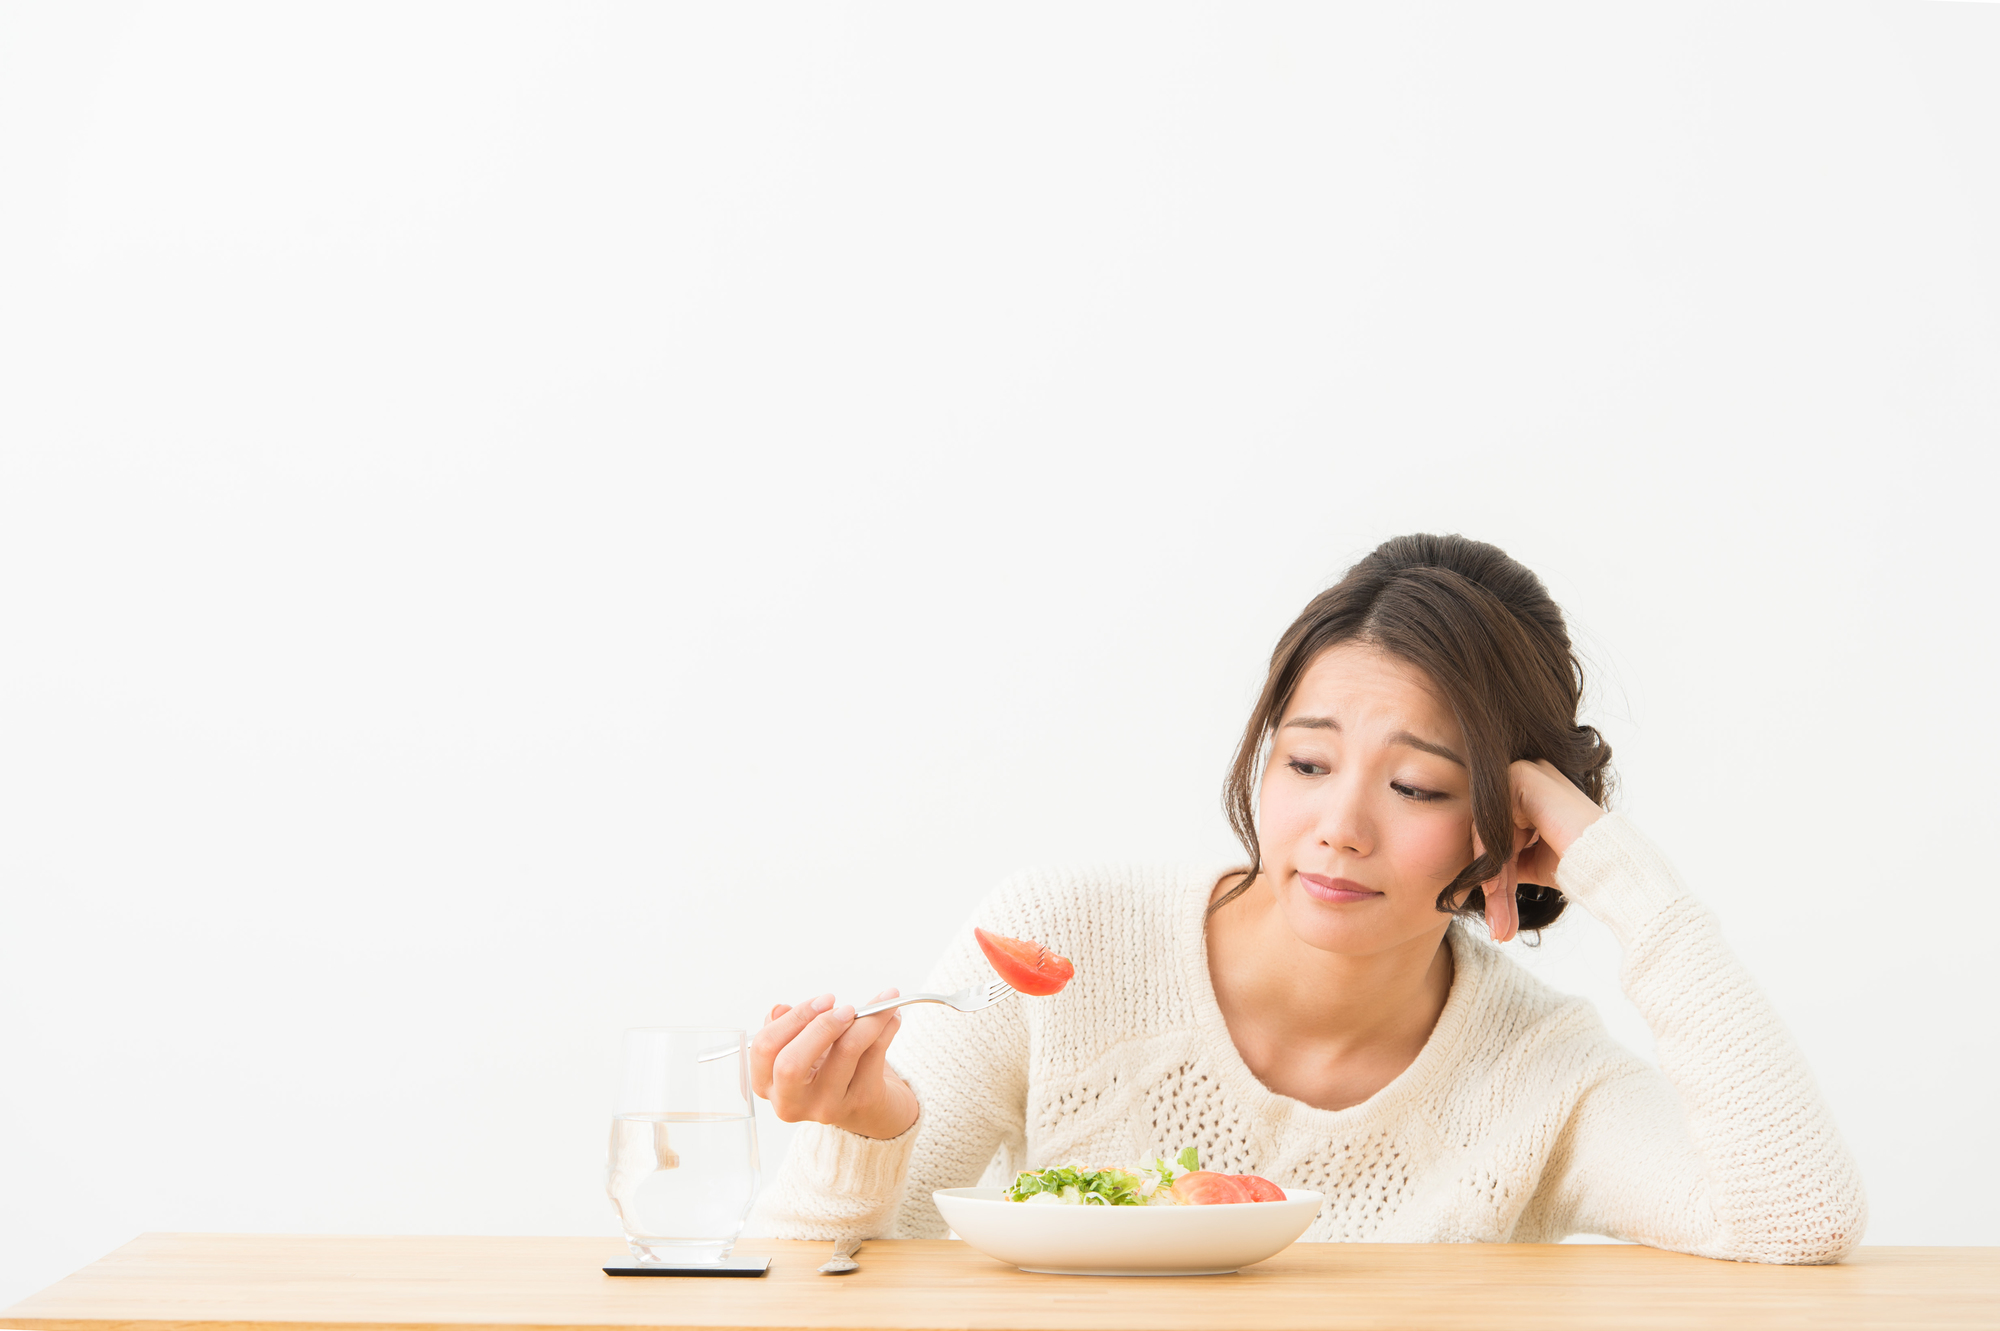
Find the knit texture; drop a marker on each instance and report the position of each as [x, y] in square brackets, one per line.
[1521, 1121]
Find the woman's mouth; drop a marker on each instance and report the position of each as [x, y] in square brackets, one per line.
[1321, 888]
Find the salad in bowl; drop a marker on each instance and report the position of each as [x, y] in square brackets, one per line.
[1148, 1183]
[1158, 1217]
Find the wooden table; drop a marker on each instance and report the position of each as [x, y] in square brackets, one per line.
[243, 1281]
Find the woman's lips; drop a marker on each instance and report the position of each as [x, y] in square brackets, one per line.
[1321, 888]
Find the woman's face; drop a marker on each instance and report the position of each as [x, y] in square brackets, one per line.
[1365, 811]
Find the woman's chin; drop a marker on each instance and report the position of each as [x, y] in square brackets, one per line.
[1359, 929]
[1327, 932]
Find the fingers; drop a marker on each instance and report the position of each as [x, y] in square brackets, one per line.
[874, 1063]
[776, 1035]
[873, 1056]
[785, 1022]
[1536, 788]
[1532, 785]
[799, 1061]
[1503, 913]
[1551, 803]
[819, 1062]
[838, 1071]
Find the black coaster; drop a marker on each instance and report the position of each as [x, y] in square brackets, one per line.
[733, 1266]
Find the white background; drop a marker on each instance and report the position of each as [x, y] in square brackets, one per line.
[517, 522]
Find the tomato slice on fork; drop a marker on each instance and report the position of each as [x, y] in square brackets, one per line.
[1029, 967]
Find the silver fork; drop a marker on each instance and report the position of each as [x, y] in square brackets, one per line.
[965, 1000]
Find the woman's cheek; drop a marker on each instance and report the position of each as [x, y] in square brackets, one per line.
[1282, 817]
[1440, 848]
[1277, 829]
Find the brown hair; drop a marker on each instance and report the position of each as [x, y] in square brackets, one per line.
[1494, 645]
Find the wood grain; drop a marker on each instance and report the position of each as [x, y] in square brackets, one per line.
[241, 1282]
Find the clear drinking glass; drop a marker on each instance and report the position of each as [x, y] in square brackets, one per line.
[683, 1168]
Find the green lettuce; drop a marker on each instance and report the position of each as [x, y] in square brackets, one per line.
[1103, 1187]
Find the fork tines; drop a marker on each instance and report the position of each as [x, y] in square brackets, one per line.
[998, 990]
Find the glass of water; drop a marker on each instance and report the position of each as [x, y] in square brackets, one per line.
[683, 1168]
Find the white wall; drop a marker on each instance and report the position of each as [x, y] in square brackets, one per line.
[518, 522]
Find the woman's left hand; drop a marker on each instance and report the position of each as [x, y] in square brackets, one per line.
[1549, 814]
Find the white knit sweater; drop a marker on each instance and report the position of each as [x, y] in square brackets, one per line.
[1520, 1121]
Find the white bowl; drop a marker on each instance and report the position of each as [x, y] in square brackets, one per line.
[1126, 1240]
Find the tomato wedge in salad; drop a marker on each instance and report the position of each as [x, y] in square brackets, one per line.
[1204, 1187]
[1029, 967]
[1261, 1189]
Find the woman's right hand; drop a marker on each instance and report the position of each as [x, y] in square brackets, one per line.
[816, 1063]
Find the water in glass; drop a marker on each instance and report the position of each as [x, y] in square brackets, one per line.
[683, 1161]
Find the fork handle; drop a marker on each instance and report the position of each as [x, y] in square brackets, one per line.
[888, 1003]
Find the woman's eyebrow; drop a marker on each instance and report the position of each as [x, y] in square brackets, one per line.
[1405, 737]
[1400, 737]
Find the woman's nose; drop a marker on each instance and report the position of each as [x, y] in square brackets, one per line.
[1344, 824]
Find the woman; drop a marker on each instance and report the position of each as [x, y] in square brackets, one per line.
[1328, 1018]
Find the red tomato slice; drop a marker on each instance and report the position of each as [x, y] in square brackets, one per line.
[1029, 967]
[1204, 1187]
[1261, 1189]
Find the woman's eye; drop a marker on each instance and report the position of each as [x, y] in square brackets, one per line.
[1304, 768]
[1412, 793]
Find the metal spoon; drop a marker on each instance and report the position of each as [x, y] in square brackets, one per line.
[843, 1258]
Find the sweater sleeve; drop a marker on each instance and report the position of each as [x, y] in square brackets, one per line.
[1726, 1149]
[970, 1074]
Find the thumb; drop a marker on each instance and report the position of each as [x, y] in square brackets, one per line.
[1503, 913]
